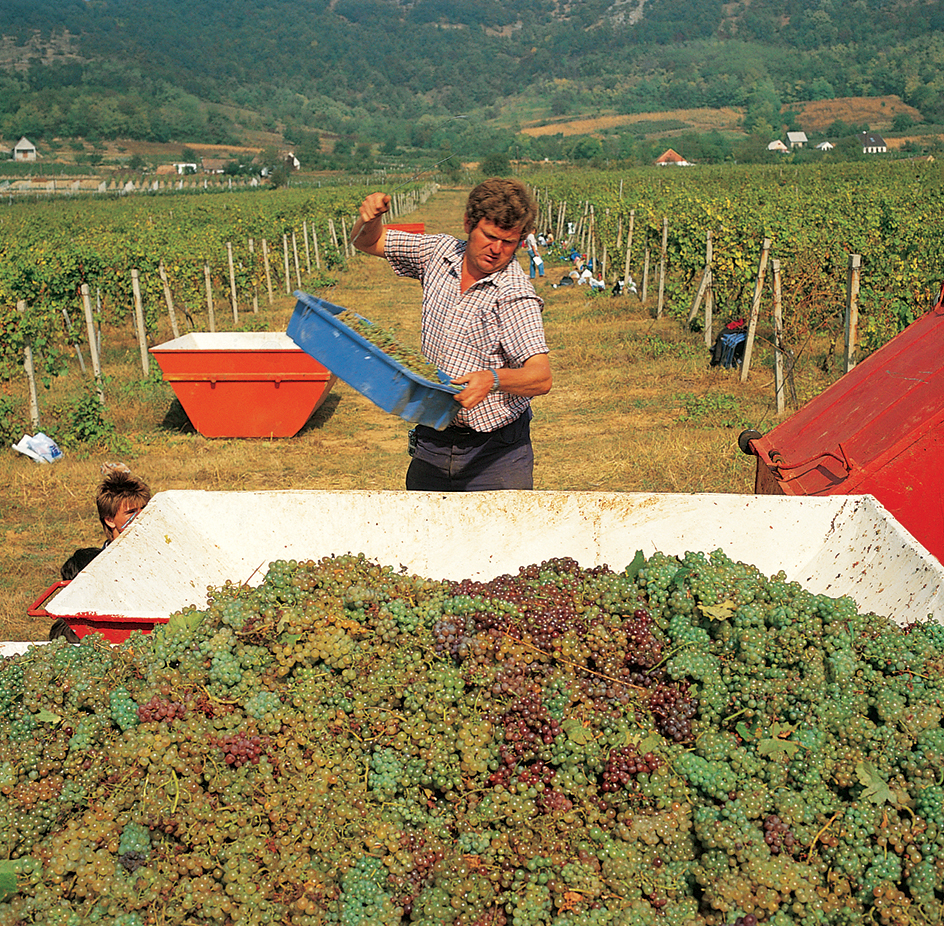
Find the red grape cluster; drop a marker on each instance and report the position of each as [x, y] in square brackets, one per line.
[241, 747]
[624, 764]
[158, 708]
[673, 710]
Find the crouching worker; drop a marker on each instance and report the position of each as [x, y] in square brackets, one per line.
[121, 497]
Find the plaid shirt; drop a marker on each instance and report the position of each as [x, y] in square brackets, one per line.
[495, 323]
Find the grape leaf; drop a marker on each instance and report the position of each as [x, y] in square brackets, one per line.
[7, 878]
[681, 574]
[577, 732]
[776, 748]
[744, 731]
[876, 788]
[777, 745]
[45, 716]
[719, 612]
[187, 621]
[650, 742]
[632, 570]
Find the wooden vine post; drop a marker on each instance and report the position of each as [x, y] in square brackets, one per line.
[255, 281]
[298, 275]
[852, 310]
[168, 299]
[268, 270]
[139, 321]
[703, 293]
[288, 279]
[307, 248]
[93, 341]
[30, 374]
[315, 248]
[232, 282]
[662, 262]
[709, 291]
[645, 276]
[778, 337]
[629, 246]
[209, 294]
[755, 309]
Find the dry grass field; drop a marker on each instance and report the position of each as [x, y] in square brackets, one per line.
[635, 407]
[815, 116]
[696, 120]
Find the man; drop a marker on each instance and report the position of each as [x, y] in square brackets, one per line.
[481, 325]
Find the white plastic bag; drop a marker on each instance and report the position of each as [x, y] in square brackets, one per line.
[41, 448]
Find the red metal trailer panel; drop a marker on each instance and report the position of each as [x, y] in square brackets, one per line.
[879, 430]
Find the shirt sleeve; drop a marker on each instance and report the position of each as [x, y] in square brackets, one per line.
[409, 254]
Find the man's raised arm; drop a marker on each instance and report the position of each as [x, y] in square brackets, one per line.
[368, 233]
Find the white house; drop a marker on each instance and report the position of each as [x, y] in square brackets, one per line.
[24, 150]
[825, 146]
[796, 139]
[778, 145]
[872, 143]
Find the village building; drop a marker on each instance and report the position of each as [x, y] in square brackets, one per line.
[672, 158]
[24, 150]
[213, 165]
[872, 143]
[796, 139]
[778, 145]
[825, 146]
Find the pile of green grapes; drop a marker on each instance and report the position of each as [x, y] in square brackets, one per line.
[387, 341]
[685, 742]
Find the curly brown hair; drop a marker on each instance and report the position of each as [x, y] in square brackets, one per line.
[506, 202]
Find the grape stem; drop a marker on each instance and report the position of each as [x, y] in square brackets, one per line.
[827, 825]
[573, 665]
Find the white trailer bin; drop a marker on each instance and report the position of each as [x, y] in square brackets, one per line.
[187, 541]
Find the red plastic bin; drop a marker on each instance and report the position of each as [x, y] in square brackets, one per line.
[879, 431]
[114, 628]
[417, 228]
[244, 383]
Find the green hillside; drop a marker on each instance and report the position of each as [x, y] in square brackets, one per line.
[394, 75]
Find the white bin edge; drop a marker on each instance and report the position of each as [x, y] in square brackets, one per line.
[188, 540]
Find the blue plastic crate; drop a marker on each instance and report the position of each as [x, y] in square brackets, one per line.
[366, 368]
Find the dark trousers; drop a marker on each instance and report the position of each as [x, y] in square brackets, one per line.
[463, 460]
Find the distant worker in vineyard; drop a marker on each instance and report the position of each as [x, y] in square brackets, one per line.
[481, 325]
[536, 262]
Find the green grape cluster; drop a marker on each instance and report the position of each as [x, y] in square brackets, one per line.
[685, 742]
[124, 709]
[387, 341]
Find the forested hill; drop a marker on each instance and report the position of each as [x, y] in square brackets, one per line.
[394, 72]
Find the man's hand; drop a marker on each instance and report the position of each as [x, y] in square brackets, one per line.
[531, 379]
[368, 232]
[476, 386]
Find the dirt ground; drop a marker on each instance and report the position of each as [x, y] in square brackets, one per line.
[634, 407]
